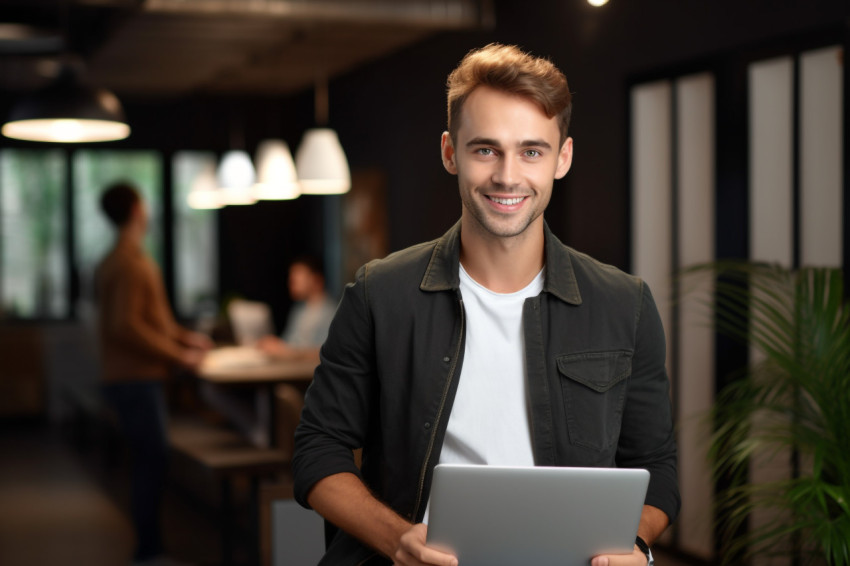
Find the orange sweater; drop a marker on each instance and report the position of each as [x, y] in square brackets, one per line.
[139, 338]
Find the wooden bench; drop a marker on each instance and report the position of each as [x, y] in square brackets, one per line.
[226, 455]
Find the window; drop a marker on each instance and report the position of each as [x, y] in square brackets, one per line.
[195, 239]
[53, 233]
[33, 264]
[93, 171]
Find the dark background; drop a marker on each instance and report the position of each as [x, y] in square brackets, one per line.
[390, 114]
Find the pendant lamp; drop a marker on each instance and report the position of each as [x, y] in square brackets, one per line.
[236, 178]
[321, 163]
[276, 175]
[67, 111]
[320, 160]
[204, 194]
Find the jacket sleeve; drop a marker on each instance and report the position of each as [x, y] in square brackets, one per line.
[338, 403]
[647, 438]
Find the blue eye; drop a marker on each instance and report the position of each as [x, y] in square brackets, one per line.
[484, 151]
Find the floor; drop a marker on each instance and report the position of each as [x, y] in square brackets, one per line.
[63, 495]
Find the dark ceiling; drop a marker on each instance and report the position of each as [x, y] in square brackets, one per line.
[173, 48]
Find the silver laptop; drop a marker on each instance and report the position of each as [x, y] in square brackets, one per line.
[494, 516]
[249, 320]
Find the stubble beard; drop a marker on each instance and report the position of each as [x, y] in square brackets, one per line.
[489, 222]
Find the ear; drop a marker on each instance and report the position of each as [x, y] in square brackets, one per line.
[447, 151]
[565, 158]
[137, 212]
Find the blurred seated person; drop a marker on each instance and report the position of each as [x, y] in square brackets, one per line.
[310, 316]
[306, 329]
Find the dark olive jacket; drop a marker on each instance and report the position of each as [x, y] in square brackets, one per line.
[595, 354]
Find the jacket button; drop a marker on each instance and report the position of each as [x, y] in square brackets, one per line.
[446, 359]
[427, 426]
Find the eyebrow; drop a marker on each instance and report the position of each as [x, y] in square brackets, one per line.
[524, 143]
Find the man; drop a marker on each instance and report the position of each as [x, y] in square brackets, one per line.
[310, 315]
[495, 344]
[140, 345]
[305, 331]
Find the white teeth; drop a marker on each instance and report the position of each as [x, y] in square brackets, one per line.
[507, 201]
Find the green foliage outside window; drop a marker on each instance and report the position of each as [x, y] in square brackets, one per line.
[94, 171]
[33, 264]
[195, 239]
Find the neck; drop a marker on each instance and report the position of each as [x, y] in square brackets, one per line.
[128, 234]
[503, 265]
[316, 297]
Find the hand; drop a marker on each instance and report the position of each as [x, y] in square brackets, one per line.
[274, 346]
[191, 358]
[200, 341]
[636, 558]
[412, 550]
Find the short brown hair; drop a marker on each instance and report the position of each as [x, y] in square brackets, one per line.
[509, 69]
[117, 202]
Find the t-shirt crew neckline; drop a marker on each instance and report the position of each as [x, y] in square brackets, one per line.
[535, 283]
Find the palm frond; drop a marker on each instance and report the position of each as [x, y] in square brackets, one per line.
[793, 399]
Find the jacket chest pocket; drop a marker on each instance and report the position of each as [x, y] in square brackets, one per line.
[594, 388]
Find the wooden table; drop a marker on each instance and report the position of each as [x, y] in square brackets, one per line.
[240, 365]
[278, 382]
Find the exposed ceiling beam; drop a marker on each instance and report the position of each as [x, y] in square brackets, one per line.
[437, 13]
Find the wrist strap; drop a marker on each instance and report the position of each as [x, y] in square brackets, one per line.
[641, 544]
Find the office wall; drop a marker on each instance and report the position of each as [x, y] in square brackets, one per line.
[792, 212]
[392, 113]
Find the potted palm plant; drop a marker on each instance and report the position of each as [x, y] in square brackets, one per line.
[794, 400]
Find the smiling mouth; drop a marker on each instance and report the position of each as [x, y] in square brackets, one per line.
[507, 201]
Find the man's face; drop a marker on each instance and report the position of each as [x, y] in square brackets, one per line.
[301, 281]
[507, 158]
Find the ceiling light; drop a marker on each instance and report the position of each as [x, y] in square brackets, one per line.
[236, 178]
[276, 176]
[67, 111]
[320, 161]
[321, 164]
[204, 194]
[597, 3]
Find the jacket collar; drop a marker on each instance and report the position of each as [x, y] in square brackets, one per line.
[560, 280]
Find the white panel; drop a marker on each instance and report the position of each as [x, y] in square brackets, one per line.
[771, 216]
[821, 150]
[651, 156]
[695, 372]
[770, 107]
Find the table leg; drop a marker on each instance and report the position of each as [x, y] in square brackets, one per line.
[228, 524]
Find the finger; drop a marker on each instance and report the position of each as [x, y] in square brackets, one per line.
[636, 558]
[413, 549]
[427, 557]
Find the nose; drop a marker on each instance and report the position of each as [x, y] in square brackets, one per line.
[506, 172]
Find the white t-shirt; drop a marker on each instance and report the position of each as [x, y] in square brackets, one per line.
[489, 422]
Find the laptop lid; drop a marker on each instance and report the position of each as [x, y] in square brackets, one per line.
[249, 320]
[494, 516]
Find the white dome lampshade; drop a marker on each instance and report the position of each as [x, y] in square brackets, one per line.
[236, 178]
[276, 176]
[204, 194]
[321, 164]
